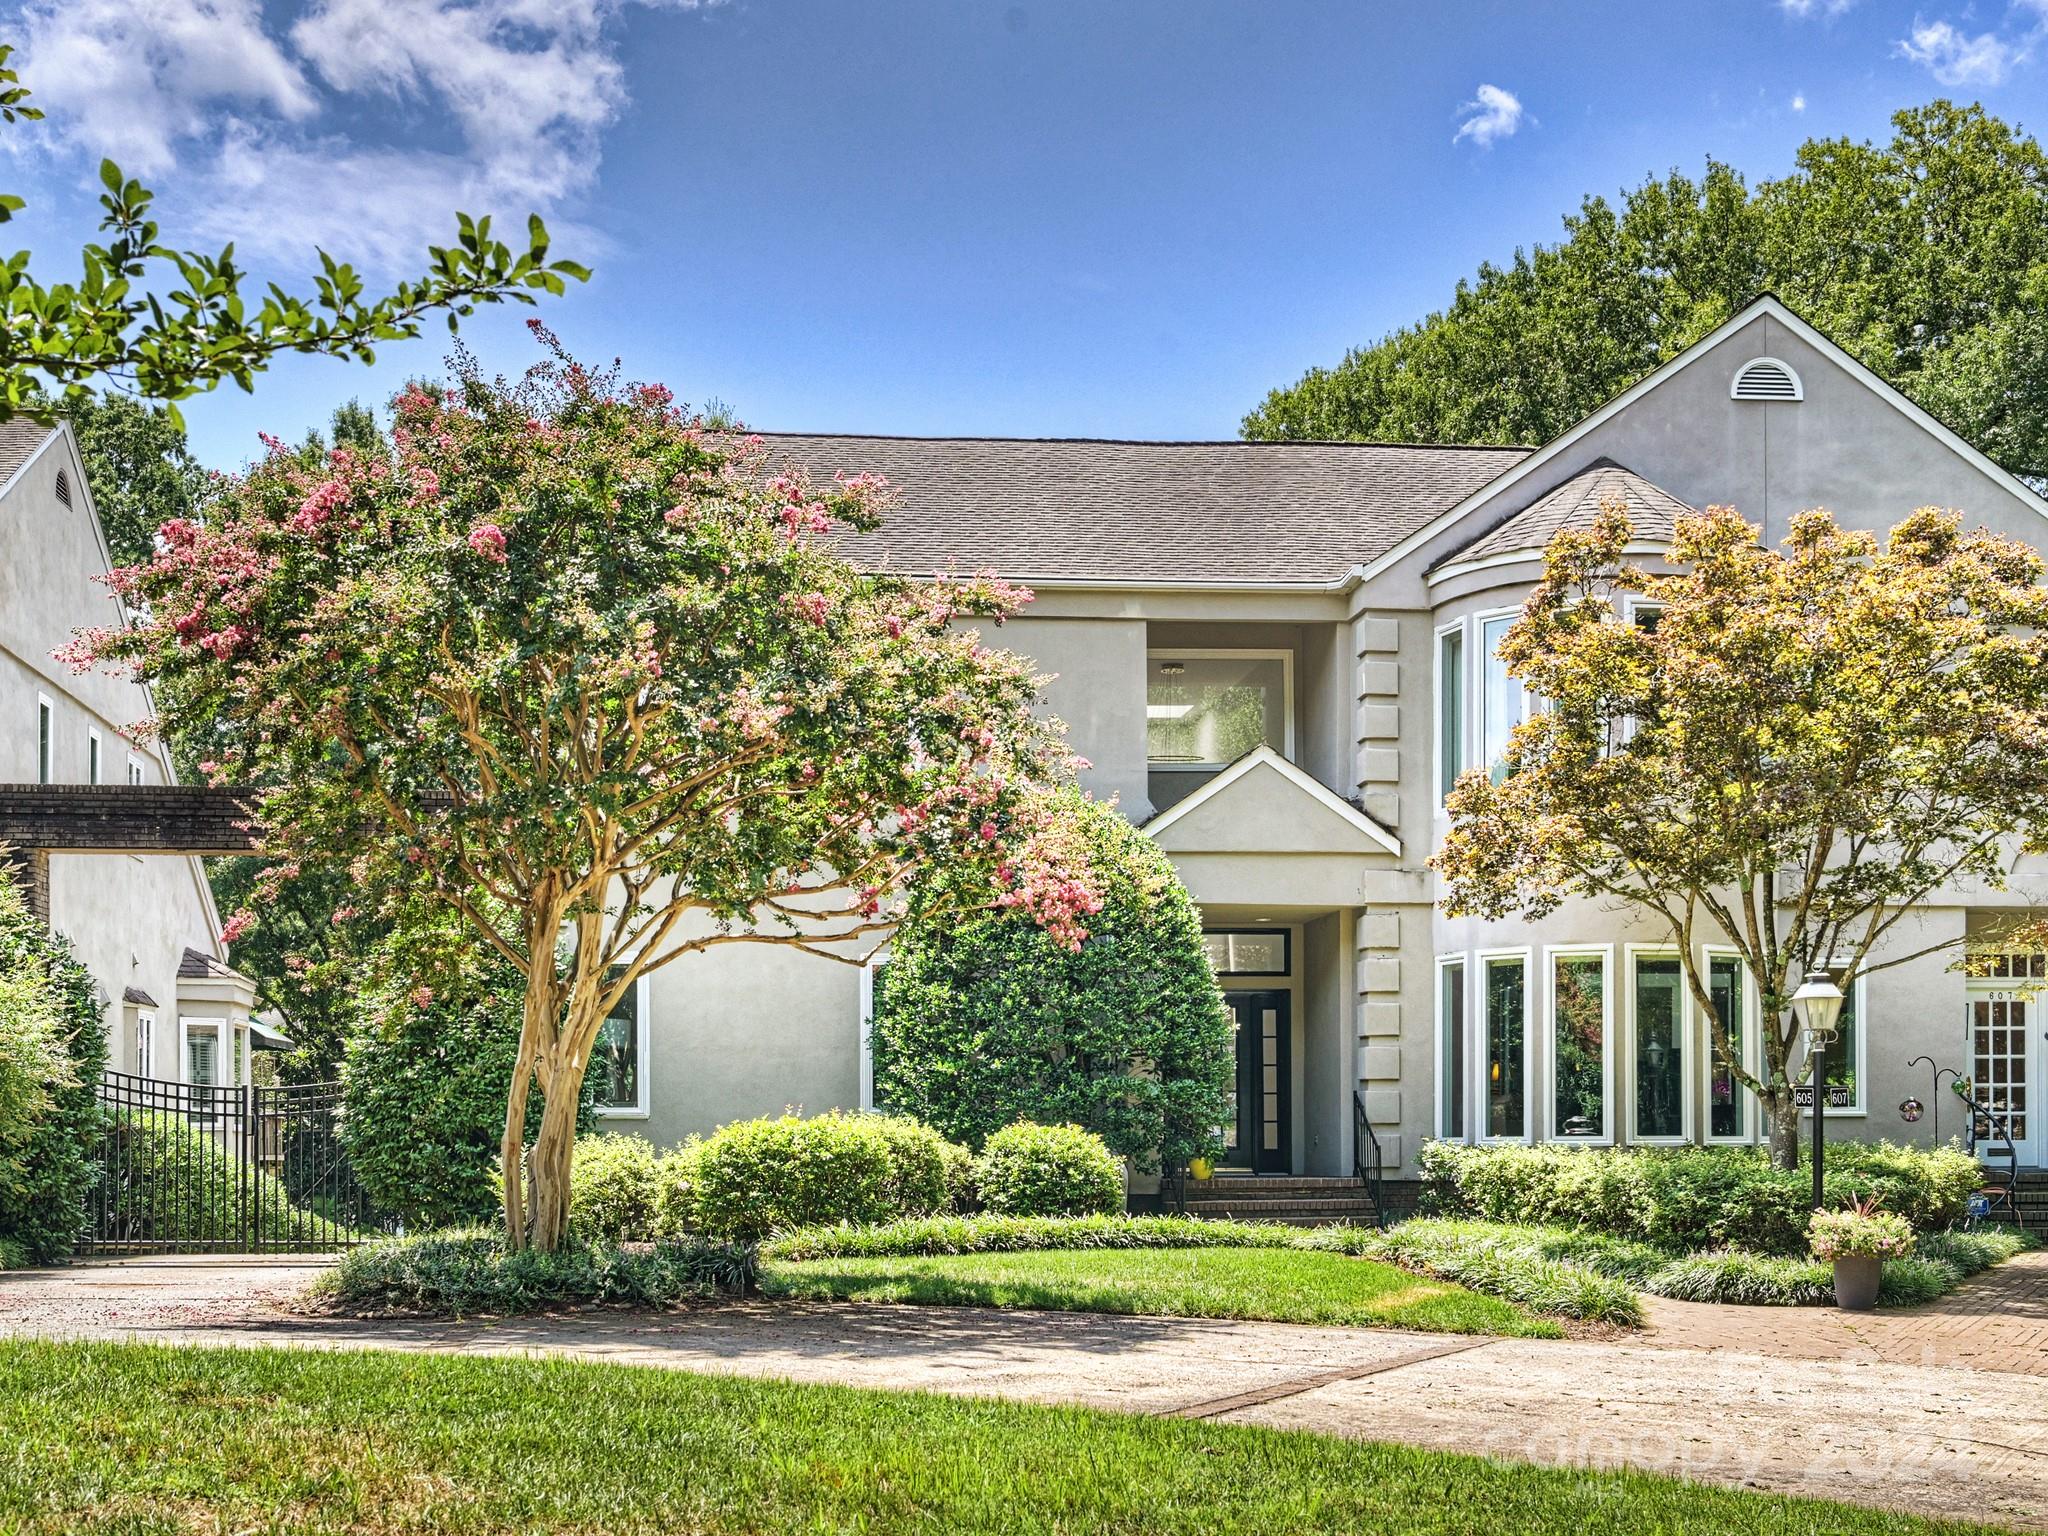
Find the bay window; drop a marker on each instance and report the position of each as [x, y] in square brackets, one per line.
[1503, 704]
[1452, 1076]
[1450, 708]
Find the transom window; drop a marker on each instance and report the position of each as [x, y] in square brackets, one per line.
[1205, 709]
[1247, 952]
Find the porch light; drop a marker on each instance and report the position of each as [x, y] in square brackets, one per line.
[1817, 1005]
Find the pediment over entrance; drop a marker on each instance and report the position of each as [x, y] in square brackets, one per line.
[1263, 804]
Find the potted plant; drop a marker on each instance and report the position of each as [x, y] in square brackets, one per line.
[1857, 1241]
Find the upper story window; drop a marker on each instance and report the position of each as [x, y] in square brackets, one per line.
[134, 769]
[1204, 709]
[1450, 708]
[46, 738]
[1503, 703]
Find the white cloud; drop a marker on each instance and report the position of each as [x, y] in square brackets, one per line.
[250, 116]
[1956, 58]
[1494, 114]
[1798, 103]
[1826, 9]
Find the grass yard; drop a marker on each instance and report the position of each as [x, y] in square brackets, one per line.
[147, 1439]
[1274, 1285]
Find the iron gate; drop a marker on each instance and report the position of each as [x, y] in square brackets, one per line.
[193, 1168]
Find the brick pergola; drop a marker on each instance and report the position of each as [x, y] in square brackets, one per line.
[37, 820]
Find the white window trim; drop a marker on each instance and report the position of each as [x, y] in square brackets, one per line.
[222, 1048]
[642, 1036]
[1476, 996]
[1742, 372]
[1686, 1026]
[95, 755]
[136, 772]
[1186, 653]
[1475, 690]
[145, 1042]
[46, 741]
[1752, 1005]
[1439, 1130]
[1860, 1110]
[1462, 629]
[1552, 953]
[874, 963]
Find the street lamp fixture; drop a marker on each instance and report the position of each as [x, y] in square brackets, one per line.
[1817, 1005]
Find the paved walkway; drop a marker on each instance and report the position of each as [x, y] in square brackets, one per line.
[1997, 1321]
[1935, 1438]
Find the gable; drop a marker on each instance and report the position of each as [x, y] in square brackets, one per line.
[1849, 443]
[1263, 804]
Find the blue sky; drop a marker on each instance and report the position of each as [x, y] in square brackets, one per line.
[1047, 217]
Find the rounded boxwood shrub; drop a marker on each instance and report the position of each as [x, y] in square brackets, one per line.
[754, 1177]
[1048, 1170]
[983, 1019]
[675, 1191]
[918, 1165]
[614, 1184]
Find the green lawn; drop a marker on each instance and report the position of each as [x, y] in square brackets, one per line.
[147, 1439]
[1278, 1285]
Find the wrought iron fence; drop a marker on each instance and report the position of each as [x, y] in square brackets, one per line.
[194, 1168]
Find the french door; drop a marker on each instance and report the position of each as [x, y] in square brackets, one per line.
[1258, 1136]
[2006, 1067]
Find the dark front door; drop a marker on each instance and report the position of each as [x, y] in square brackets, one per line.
[1260, 1136]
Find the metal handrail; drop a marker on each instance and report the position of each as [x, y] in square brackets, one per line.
[1361, 1138]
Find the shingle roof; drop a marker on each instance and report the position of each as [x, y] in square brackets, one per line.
[1082, 509]
[200, 966]
[19, 437]
[138, 997]
[1652, 510]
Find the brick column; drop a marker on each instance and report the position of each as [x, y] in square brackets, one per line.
[28, 868]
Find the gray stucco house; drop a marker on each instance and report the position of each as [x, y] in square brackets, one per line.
[144, 925]
[1344, 601]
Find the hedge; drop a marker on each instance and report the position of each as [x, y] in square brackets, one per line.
[1048, 1170]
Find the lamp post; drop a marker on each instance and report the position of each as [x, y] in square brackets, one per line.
[1817, 1005]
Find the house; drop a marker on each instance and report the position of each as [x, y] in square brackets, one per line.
[1278, 657]
[144, 926]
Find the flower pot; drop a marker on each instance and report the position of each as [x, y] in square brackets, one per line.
[1201, 1168]
[1856, 1277]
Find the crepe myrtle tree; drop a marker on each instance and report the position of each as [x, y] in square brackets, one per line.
[1807, 742]
[590, 674]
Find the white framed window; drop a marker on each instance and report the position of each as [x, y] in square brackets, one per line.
[200, 1057]
[1845, 1064]
[1450, 709]
[619, 1059]
[135, 775]
[1206, 709]
[1502, 1103]
[870, 975]
[1659, 1097]
[1503, 703]
[94, 752]
[1579, 992]
[145, 1043]
[1731, 1108]
[46, 739]
[1453, 1031]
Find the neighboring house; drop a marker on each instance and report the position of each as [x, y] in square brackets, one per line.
[145, 926]
[1277, 657]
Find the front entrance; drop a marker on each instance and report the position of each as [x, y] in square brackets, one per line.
[2006, 1066]
[1259, 1136]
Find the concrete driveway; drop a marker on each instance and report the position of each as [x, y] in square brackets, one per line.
[1933, 1438]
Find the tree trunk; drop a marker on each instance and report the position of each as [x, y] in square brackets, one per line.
[553, 1151]
[511, 1146]
[1783, 1117]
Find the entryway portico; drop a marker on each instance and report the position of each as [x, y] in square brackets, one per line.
[1282, 868]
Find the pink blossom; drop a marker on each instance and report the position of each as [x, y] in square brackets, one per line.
[421, 996]
[813, 606]
[426, 485]
[317, 507]
[236, 926]
[488, 541]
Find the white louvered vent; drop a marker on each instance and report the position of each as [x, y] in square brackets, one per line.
[1766, 379]
[63, 487]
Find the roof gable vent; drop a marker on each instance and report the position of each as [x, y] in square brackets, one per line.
[63, 487]
[1765, 378]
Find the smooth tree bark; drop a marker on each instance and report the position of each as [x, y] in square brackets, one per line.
[593, 677]
[1804, 746]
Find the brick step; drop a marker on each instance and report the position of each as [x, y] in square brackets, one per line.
[1282, 1210]
[1269, 1184]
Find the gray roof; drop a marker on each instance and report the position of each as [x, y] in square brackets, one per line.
[1091, 509]
[138, 998]
[19, 437]
[1652, 510]
[197, 965]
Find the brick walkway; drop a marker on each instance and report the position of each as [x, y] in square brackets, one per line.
[1995, 1322]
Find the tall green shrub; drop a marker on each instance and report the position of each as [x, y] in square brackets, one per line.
[1048, 1170]
[983, 1020]
[754, 1177]
[53, 1052]
[423, 1099]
